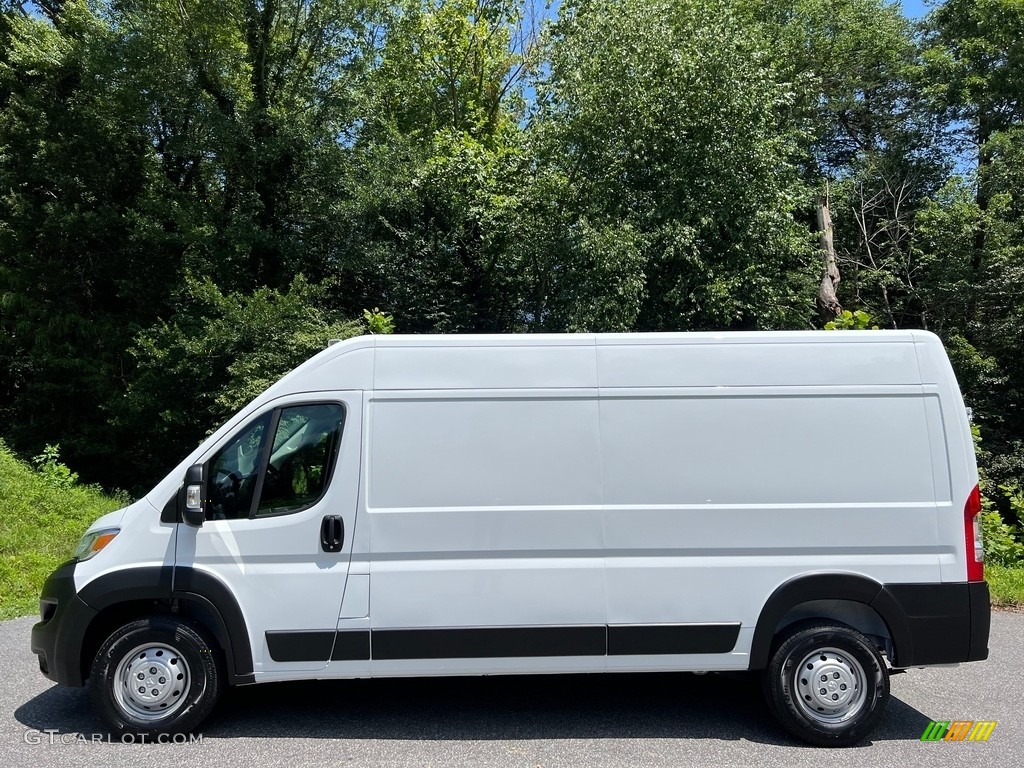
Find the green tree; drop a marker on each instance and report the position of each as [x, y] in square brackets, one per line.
[453, 65]
[666, 127]
[433, 161]
[142, 142]
[218, 352]
[79, 273]
[870, 144]
[249, 106]
[974, 50]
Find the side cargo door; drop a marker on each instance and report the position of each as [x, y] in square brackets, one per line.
[280, 519]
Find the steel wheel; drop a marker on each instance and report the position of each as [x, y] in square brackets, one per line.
[826, 683]
[829, 686]
[154, 675]
[152, 682]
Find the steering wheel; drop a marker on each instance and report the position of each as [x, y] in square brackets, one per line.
[227, 483]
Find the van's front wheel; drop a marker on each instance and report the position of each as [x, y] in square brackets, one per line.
[826, 683]
[155, 675]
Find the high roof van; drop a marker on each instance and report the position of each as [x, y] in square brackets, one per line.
[800, 504]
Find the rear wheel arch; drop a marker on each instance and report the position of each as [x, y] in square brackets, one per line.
[849, 598]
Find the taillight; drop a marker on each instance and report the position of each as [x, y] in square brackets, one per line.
[972, 532]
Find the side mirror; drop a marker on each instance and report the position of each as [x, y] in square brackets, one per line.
[192, 511]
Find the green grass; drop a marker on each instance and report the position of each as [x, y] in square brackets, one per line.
[1006, 585]
[42, 516]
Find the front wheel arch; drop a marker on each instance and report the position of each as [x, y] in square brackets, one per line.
[123, 595]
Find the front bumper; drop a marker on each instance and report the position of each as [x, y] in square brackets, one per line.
[58, 638]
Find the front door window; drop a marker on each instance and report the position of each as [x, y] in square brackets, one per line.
[255, 477]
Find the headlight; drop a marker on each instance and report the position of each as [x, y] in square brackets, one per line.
[93, 542]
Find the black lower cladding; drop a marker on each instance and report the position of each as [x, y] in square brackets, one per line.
[936, 623]
[349, 645]
[300, 646]
[502, 642]
[57, 639]
[352, 645]
[488, 642]
[672, 638]
[981, 620]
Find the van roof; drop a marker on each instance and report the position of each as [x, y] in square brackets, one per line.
[587, 339]
[588, 360]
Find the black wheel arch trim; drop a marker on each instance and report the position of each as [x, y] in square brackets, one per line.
[928, 623]
[802, 589]
[210, 598]
[192, 584]
[127, 585]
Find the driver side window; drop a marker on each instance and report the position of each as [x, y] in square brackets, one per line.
[253, 477]
[234, 472]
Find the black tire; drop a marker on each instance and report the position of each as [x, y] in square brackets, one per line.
[826, 683]
[174, 671]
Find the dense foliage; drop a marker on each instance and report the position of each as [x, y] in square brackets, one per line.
[194, 195]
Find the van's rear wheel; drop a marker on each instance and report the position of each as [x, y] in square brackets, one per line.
[156, 675]
[826, 683]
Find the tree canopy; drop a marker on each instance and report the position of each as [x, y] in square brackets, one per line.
[195, 195]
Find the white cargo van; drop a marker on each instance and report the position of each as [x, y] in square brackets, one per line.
[800, 503]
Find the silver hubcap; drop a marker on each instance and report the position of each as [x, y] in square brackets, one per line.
[151, 682]
[829, 686]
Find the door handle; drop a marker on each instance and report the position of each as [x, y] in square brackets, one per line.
[332, 533]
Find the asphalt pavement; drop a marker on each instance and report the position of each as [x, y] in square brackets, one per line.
[587, 721]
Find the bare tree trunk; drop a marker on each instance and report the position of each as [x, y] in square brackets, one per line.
[828, 302]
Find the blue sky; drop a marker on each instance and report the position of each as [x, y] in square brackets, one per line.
[914, 8]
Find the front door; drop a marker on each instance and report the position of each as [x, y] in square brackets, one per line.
[280, 518]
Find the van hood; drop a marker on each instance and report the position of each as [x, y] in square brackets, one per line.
[113, 519]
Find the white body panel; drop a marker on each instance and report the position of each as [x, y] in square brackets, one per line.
[591, 481]
[143, 541]
[274, 566]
